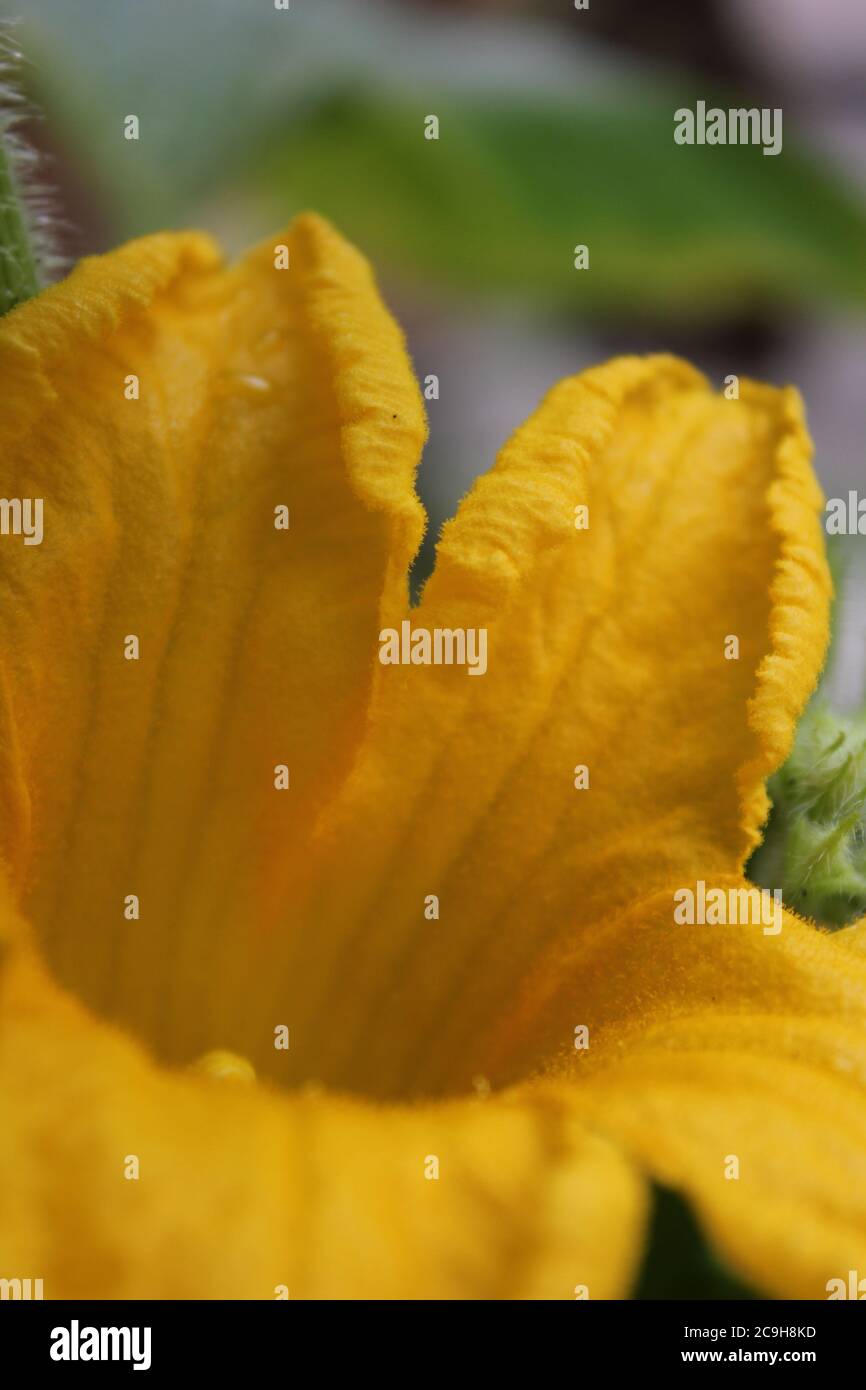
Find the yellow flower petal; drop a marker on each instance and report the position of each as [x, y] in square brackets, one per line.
[717, 1049]
[774, 1096]
[641, 969]
[258, 388]
[154, 778]
[606, 648]
[241, 1193]
[853, 937]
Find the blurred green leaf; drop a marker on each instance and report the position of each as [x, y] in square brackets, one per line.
[502, 198]
[248, 113]
[678, 1262]
[213, 80]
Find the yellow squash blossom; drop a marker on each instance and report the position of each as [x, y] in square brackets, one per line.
[430, 1130]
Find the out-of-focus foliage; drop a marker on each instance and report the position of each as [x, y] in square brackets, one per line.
[509, 189]
[213, 81]
[541, 148]
[679, 1261]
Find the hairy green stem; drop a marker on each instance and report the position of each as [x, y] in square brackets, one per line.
[19, 278]
[24, 208]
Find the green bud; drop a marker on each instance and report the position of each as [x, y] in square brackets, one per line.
[815, 849]
[815, 840]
